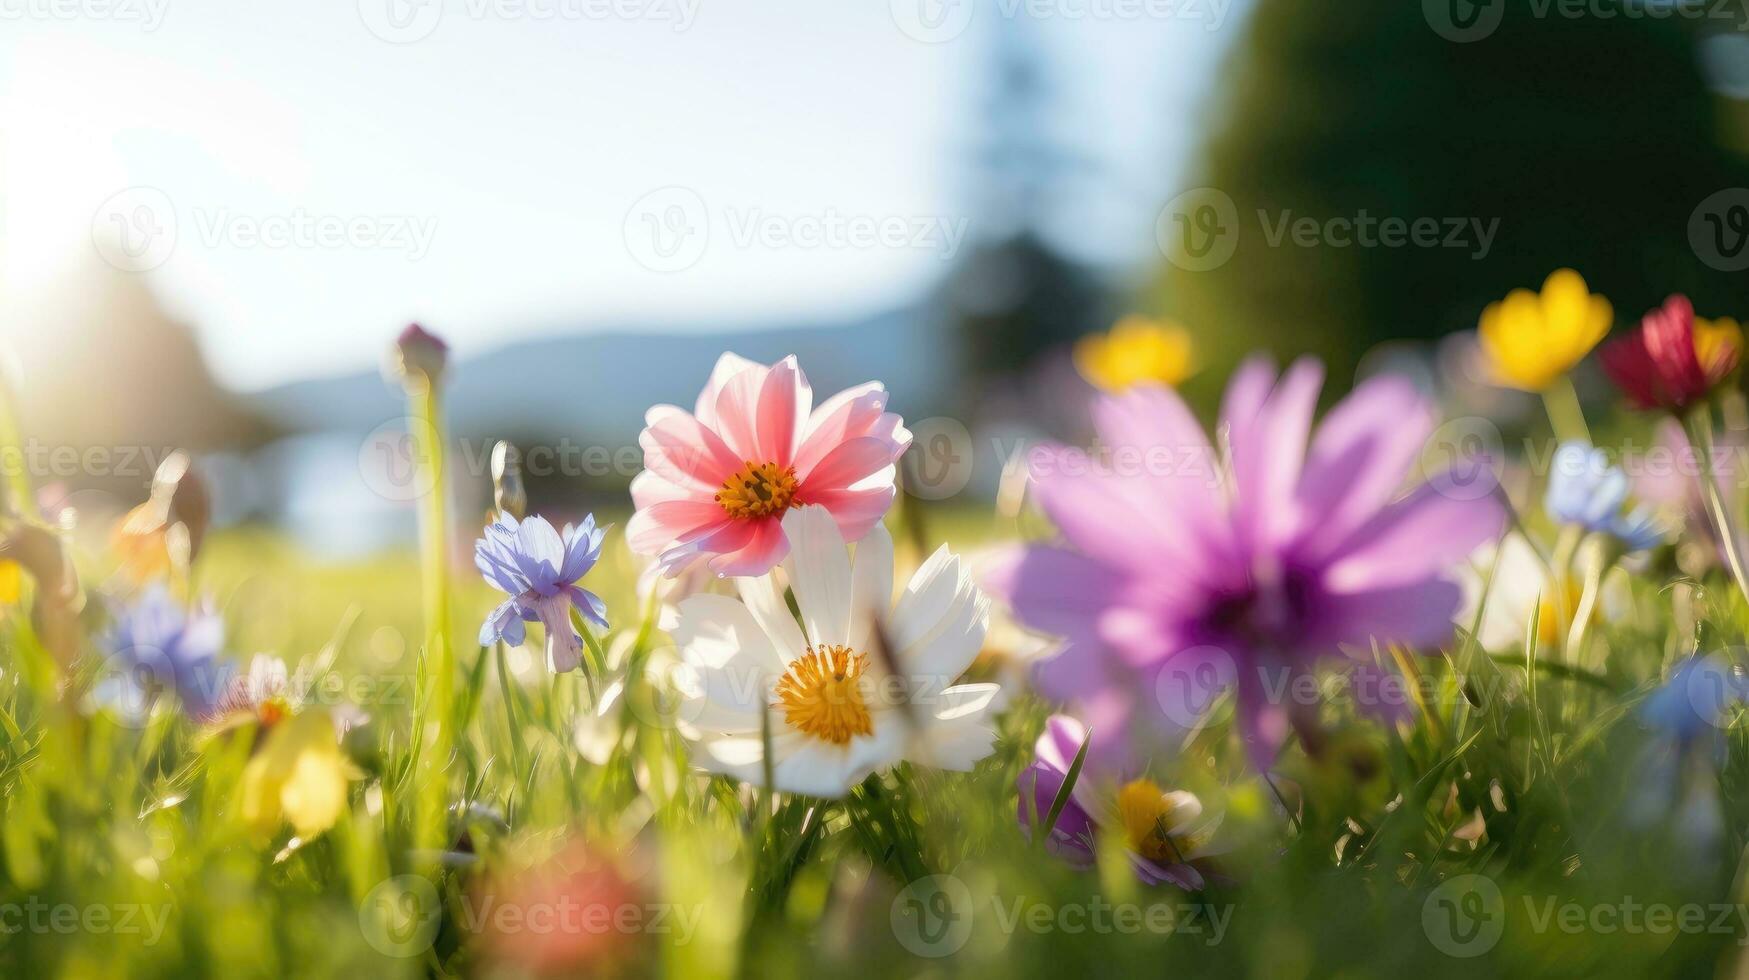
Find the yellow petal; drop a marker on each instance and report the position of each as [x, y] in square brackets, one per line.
[11, 582]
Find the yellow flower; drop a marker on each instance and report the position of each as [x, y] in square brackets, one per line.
[1136, 351]
[299, 776]
[1717, 340]
[1531, 339]
[11, 582]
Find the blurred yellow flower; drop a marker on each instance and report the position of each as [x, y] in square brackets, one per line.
[299, 776]
[139, 543]
[1717, 339]
[11, 582]
[1531, 340]
[1137, 350]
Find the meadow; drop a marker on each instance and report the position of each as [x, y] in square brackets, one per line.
[1344, 698]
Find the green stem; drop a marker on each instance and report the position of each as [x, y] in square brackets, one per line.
[1700, 432]
[1567, 419]
[426, 421]
[1587, 605]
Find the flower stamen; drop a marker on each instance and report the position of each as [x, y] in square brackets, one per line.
[758, 490]
[821, 696]
[1146, 811]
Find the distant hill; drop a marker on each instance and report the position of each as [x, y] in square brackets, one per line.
[597, 385]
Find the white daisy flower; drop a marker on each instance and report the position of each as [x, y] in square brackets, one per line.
[837, 714]
[1522, 584]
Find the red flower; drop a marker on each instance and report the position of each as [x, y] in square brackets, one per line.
[1668, 363]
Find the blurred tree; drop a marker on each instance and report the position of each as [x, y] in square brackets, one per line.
[1015, 295]
[1591, 139]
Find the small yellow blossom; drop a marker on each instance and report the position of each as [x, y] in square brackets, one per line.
[1137, 350]
[1717, 339]
[1531, 339]
[299, 776]
[11, 582]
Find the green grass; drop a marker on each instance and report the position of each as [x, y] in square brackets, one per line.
[102, 819]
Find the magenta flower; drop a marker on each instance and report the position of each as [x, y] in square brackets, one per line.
[1183, 572]
[717, 481]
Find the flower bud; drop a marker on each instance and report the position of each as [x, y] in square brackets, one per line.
[507, 490]
[418, 356]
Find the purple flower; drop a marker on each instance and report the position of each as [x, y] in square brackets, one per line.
[1183, 568]
[1163, 831]
[539, 568]
[155, 645]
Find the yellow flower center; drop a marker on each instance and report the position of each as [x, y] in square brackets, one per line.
[758, 490]
[1147, 814]
[821, 696]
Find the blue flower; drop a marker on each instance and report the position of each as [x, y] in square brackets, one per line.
[155, 645]
[1586, 491]
[1696, 700]
[539, 568]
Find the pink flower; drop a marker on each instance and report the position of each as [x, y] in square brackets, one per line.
[717, 481]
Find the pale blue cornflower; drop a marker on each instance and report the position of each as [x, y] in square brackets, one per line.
[156, 646]
[1586, 491]
[539, 568]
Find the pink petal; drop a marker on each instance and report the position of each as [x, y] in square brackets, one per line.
[847, 464]
[1419, 536]
[660, 525]
[783, 401]
[1180, 472]
[1417, 614]
[682, 450]
[850, 413]
[737, 412]
[1244, 398]
[1359, 458]
[727, 366]
[856, 511]
[1267, 457]
[763, 547]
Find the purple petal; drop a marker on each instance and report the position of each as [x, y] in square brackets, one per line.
[1424, 534]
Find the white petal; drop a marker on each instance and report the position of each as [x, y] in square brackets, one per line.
[955, 745]
[930, 595]
[818, 567]
[765, 602]
[716, 631]
[816, 768]
[944, 653]
[871, 585]
[965, 701]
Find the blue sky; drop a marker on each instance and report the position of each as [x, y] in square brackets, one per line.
[300, 179]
